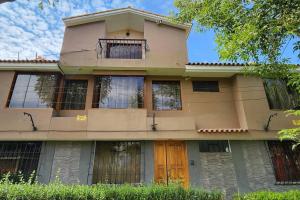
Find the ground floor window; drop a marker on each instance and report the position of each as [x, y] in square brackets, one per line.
[19, 157]
[117, 162]
[286, 162]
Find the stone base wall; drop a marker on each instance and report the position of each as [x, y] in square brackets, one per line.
[70, 162]
[246, 168]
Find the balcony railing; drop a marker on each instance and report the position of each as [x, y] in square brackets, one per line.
[122, 48]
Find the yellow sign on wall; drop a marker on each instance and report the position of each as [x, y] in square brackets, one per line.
[81, 117]
[296, 122]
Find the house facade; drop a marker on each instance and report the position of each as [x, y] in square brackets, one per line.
[124, 105]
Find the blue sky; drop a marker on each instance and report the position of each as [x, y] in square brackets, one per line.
[26, 29]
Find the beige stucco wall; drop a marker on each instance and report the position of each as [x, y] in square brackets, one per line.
[252, 105]
[241, 102]
[166, 47]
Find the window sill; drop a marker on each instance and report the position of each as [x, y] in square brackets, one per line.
[287, 183]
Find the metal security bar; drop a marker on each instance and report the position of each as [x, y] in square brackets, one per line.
[286, 161]
[117, 162]
[122, 48]
[19, 157]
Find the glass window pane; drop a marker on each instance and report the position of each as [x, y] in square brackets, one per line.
[214, 146]
[124, 51]
[34, 91]
[205, 86]
[166, 95]
[117, 162]
[280, 96]
[118, 92]
[74, 94]
[19, 157]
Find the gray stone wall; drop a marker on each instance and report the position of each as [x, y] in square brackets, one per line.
[247, 168]
[254, 167]
[213, 171]
[71, 162]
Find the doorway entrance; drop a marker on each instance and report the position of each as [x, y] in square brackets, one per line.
[170, 162]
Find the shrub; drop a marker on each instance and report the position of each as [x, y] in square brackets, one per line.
[268, 195]
[59, 191]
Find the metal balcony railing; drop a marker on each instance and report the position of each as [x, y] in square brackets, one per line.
[122, 48]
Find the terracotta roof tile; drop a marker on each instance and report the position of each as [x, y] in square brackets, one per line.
[28, 61]
[223, 130]
[216, 64]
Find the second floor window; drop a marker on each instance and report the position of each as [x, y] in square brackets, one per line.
[74, 94]
[205, 86]
[166, 95]
[34, 91]
[124, 50]
[281, 96]
[118, 92]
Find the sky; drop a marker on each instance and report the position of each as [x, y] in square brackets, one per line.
[27, 30]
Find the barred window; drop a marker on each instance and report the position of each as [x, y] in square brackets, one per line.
[34, 91]
[117, 162]
[166, 95]
[281, 96]
[124, 50]
[205, 86]
[19, 157]
[214, 146]
[74, 94]
[118, 92]
[286, 162]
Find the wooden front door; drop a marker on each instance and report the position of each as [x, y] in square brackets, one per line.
[170, 160]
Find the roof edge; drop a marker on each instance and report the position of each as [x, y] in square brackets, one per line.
[92, 17]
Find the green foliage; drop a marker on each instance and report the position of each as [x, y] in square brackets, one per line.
[292, 133]
[268, 195]
[56, 190]
[249, 30]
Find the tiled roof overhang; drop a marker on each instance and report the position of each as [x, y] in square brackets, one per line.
[29, 65]
[216, 64]
[28, 61]
[223, 130]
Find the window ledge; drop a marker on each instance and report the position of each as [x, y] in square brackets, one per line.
[287, 183]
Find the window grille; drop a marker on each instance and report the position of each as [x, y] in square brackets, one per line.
[117, 162]
[205, 86]
[122, 48]
[286, 162]
[118, 92]
[18, 157]
[166, 95]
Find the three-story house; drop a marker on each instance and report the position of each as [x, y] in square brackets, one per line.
[124, 105]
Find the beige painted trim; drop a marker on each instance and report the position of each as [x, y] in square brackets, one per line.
[29, 67]
[133, 135]
[83, 19]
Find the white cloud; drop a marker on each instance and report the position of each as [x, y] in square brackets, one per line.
[26, 29]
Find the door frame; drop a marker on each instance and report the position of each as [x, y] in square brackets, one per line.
[186, 166]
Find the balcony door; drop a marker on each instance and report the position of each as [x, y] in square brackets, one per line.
[171, 163]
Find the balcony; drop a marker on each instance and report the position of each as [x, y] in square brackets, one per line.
[122, 48]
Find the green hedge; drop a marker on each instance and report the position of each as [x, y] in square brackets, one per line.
[268, 195]
[57, 191]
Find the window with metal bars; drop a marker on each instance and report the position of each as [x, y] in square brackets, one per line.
[19, 157]
[214, 146]
[124, 51]
[118, 92]
[280, 95]
[166, 95]
[117, 162]
[74, 94]
[286, 161]
[34, 91]
[205, 86]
